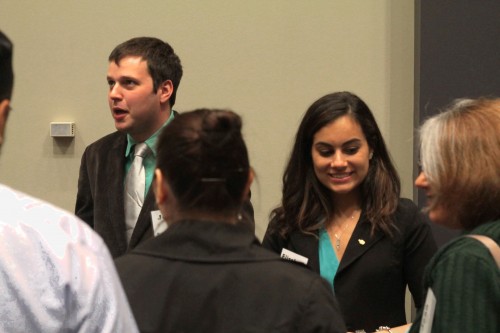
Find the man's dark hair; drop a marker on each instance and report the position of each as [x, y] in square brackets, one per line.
[163, 63]
[6, 72]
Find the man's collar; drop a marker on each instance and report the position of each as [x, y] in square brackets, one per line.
[151, 141]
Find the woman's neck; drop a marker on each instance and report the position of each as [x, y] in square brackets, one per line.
[346, 205]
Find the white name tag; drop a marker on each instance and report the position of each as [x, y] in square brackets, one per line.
[428, 312]
[292, 256]
[159, 224]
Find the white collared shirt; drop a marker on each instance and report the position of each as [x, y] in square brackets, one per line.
[56, 274]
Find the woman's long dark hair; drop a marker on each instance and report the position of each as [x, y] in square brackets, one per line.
[306, 202]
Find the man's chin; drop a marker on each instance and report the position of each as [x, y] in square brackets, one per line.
[121, 127]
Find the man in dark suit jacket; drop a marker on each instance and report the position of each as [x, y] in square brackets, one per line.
[143, 76]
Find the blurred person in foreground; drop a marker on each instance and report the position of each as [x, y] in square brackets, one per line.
[460, 159]
[207, 272]
[56, 274]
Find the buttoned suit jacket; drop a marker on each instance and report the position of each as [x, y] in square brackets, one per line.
[372, 276]
[99, 200]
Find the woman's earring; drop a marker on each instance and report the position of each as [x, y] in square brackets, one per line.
[371, 155]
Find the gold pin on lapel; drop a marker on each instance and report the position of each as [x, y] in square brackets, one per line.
[361, 241]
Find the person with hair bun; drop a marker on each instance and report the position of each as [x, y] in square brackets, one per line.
[207, 272]
[460, 159]
[341, 212]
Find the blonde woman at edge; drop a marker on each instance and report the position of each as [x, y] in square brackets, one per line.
[460, 155]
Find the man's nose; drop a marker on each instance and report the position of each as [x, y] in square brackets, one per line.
[115, 92]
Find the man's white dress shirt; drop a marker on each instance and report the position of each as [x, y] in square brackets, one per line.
[56, 274]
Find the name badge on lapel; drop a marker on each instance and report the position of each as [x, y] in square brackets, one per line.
[292, 256]
[159, 224]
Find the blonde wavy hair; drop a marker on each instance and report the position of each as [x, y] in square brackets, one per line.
[460, 156]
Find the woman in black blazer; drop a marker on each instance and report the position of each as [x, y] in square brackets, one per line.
[341, 215]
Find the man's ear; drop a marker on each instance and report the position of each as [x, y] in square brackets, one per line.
[160, 188]
[166, 89]
[4, 114]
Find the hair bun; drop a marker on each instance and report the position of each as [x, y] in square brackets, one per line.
[219, 130]
[204, 157]
[221, 121]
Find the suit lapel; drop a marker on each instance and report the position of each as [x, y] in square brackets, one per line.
[115, 174]
[307, 246]
[360, 242]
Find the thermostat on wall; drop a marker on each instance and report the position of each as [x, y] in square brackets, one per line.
[62, 129]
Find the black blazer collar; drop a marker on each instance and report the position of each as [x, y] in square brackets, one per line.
[361, 241]
[206, 241]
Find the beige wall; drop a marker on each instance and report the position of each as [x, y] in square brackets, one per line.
[267, 60]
